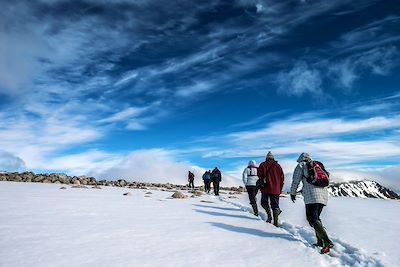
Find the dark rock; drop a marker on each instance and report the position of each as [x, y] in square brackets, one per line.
[79, 186]
[178, 194]
[197, 193]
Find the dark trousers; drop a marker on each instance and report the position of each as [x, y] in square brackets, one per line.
[266, 198]
[252, 191]
[216, 187]
[191, 184]
[313, 211]
[207, 185]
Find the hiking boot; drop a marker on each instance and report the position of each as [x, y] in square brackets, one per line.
[276, 216]
[268, 211]
[325, 250]
[319, 243]
[321, 234]
[255, 209]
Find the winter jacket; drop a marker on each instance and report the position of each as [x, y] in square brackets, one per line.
[216, 175]
[250, 176]
[206, 176]
[190, 176]
[272, 172]
[311, 193]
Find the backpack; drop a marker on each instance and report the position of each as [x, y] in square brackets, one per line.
[251, 172]
[191, 176]
[215, 175]
[317, 175]
[262, 181]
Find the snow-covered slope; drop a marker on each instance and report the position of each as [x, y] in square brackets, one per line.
[41, 225]
[363, 189]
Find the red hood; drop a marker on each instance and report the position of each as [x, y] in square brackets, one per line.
[269, 162]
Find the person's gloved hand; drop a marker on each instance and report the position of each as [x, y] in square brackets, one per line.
[293, 197]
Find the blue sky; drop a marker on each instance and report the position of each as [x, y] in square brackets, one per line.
[148, 89]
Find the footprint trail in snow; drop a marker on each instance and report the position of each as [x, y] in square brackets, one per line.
[342, 254]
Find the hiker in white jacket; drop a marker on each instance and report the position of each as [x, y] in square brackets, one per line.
[315, 199]
[250, 179]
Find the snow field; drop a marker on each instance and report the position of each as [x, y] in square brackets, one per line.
[362, 230]
[44, 226]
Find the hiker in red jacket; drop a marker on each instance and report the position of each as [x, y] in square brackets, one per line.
[272, 174]
[191, 179]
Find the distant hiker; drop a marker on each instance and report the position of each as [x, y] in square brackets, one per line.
[207, 181]
[191, 179]
[216, 179]
[250, 179]
[271, 173]
[315, 197]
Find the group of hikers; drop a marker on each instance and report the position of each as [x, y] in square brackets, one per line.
[209, 177]
[268, 178]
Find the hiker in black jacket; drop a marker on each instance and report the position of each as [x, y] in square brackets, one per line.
[191, 179]
[216, 179]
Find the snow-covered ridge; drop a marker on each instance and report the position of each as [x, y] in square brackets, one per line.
[362, 189]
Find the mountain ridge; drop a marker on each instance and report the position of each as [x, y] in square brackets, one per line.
[361, 189]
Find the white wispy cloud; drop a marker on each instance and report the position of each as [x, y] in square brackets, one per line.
[299, 80]
[293, 129]
[34, 140]
[344, 73]
[84, 163]
[376, 107]
[197, 88]
[127, 77]
[369, 36]
[9, 162]
[125, 114]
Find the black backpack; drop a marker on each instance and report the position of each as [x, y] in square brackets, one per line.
[215, 174]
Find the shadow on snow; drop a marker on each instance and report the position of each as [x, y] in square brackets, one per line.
[214, 213]
[218, 208]
[252, 231]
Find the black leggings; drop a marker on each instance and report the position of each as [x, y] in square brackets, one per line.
[216, 187]
[252, 191]
[191, 184]
[207, 185]
[266, 198]
[313, 211]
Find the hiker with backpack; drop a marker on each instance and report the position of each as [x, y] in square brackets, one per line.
[216, 179]
[191, 180]
[271, 180]
[249, 180]
[207, 181]
[315, 180]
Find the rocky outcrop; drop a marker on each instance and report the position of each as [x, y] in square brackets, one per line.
[85, 181]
